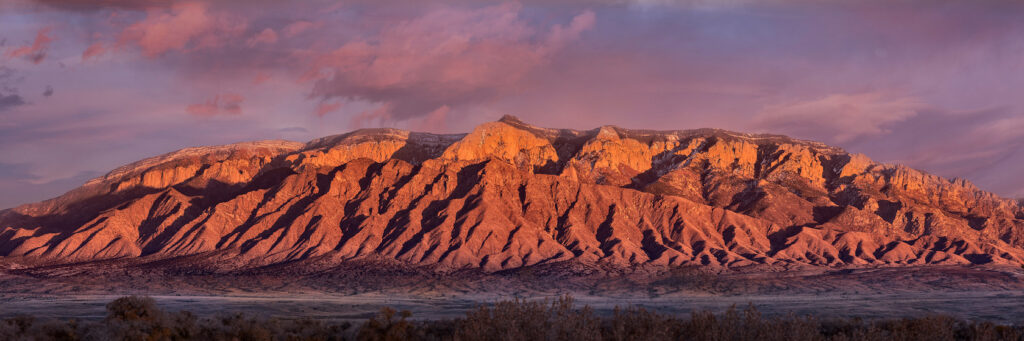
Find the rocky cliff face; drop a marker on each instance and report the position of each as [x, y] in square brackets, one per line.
[509, 195]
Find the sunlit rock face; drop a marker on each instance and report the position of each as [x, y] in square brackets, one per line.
[509, 195]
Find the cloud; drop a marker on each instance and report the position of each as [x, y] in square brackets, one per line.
[94, 50]
[298, 27]
[9, 97]
[446, 57]
[15, 171]
[448, 65]
[434, 121]
[220, 104]
[10, 100]
[838, 118]
[90, 5]
[326, 107]
[20, 183]
[184, 26]
[984, 145]
[267, 36]
[35, 52]
[7, 76]
[48, 91]
[560, 35]
[373, 117]
[260, 78]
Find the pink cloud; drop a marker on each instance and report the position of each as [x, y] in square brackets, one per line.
[373, 117]
[325, 108]
[434, 121]
[94, 50]
[260, 78]
[298, 27]
[267, 36]
[221, 104]
[36, 51]
[182, 26]
[444, 58]
[582, 22]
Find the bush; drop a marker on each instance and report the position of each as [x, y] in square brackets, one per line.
[640, 324]
[524, 320]
[385, 327]
[139, 318]
[133, 308]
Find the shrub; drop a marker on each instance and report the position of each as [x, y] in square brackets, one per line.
[640, 324]
[385, 327]
[524, 320]
[133, 308]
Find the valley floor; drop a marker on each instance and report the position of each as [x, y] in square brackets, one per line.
[1004, 307]
[993, 294]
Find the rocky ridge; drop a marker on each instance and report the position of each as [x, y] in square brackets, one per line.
[510, 195]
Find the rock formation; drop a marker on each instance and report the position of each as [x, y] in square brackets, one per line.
[509, 195]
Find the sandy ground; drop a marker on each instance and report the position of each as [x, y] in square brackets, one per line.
[995, 306]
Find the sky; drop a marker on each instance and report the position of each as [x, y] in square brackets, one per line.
[89, 85]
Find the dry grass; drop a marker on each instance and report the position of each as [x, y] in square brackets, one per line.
[139, 318]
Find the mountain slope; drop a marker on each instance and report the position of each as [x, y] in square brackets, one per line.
[509, 195]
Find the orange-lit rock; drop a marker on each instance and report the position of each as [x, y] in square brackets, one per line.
[510, 195]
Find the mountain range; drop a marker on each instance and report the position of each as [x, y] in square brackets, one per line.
[510, 195]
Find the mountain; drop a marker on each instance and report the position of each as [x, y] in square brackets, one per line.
[510, 195]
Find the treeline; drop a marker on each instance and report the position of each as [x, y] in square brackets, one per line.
[139, 318]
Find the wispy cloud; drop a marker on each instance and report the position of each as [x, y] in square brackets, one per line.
[838, 118]
[325, 108]
[220, 104]
[298, 27]
[35, 51]
[267, 36]
[94, 50]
